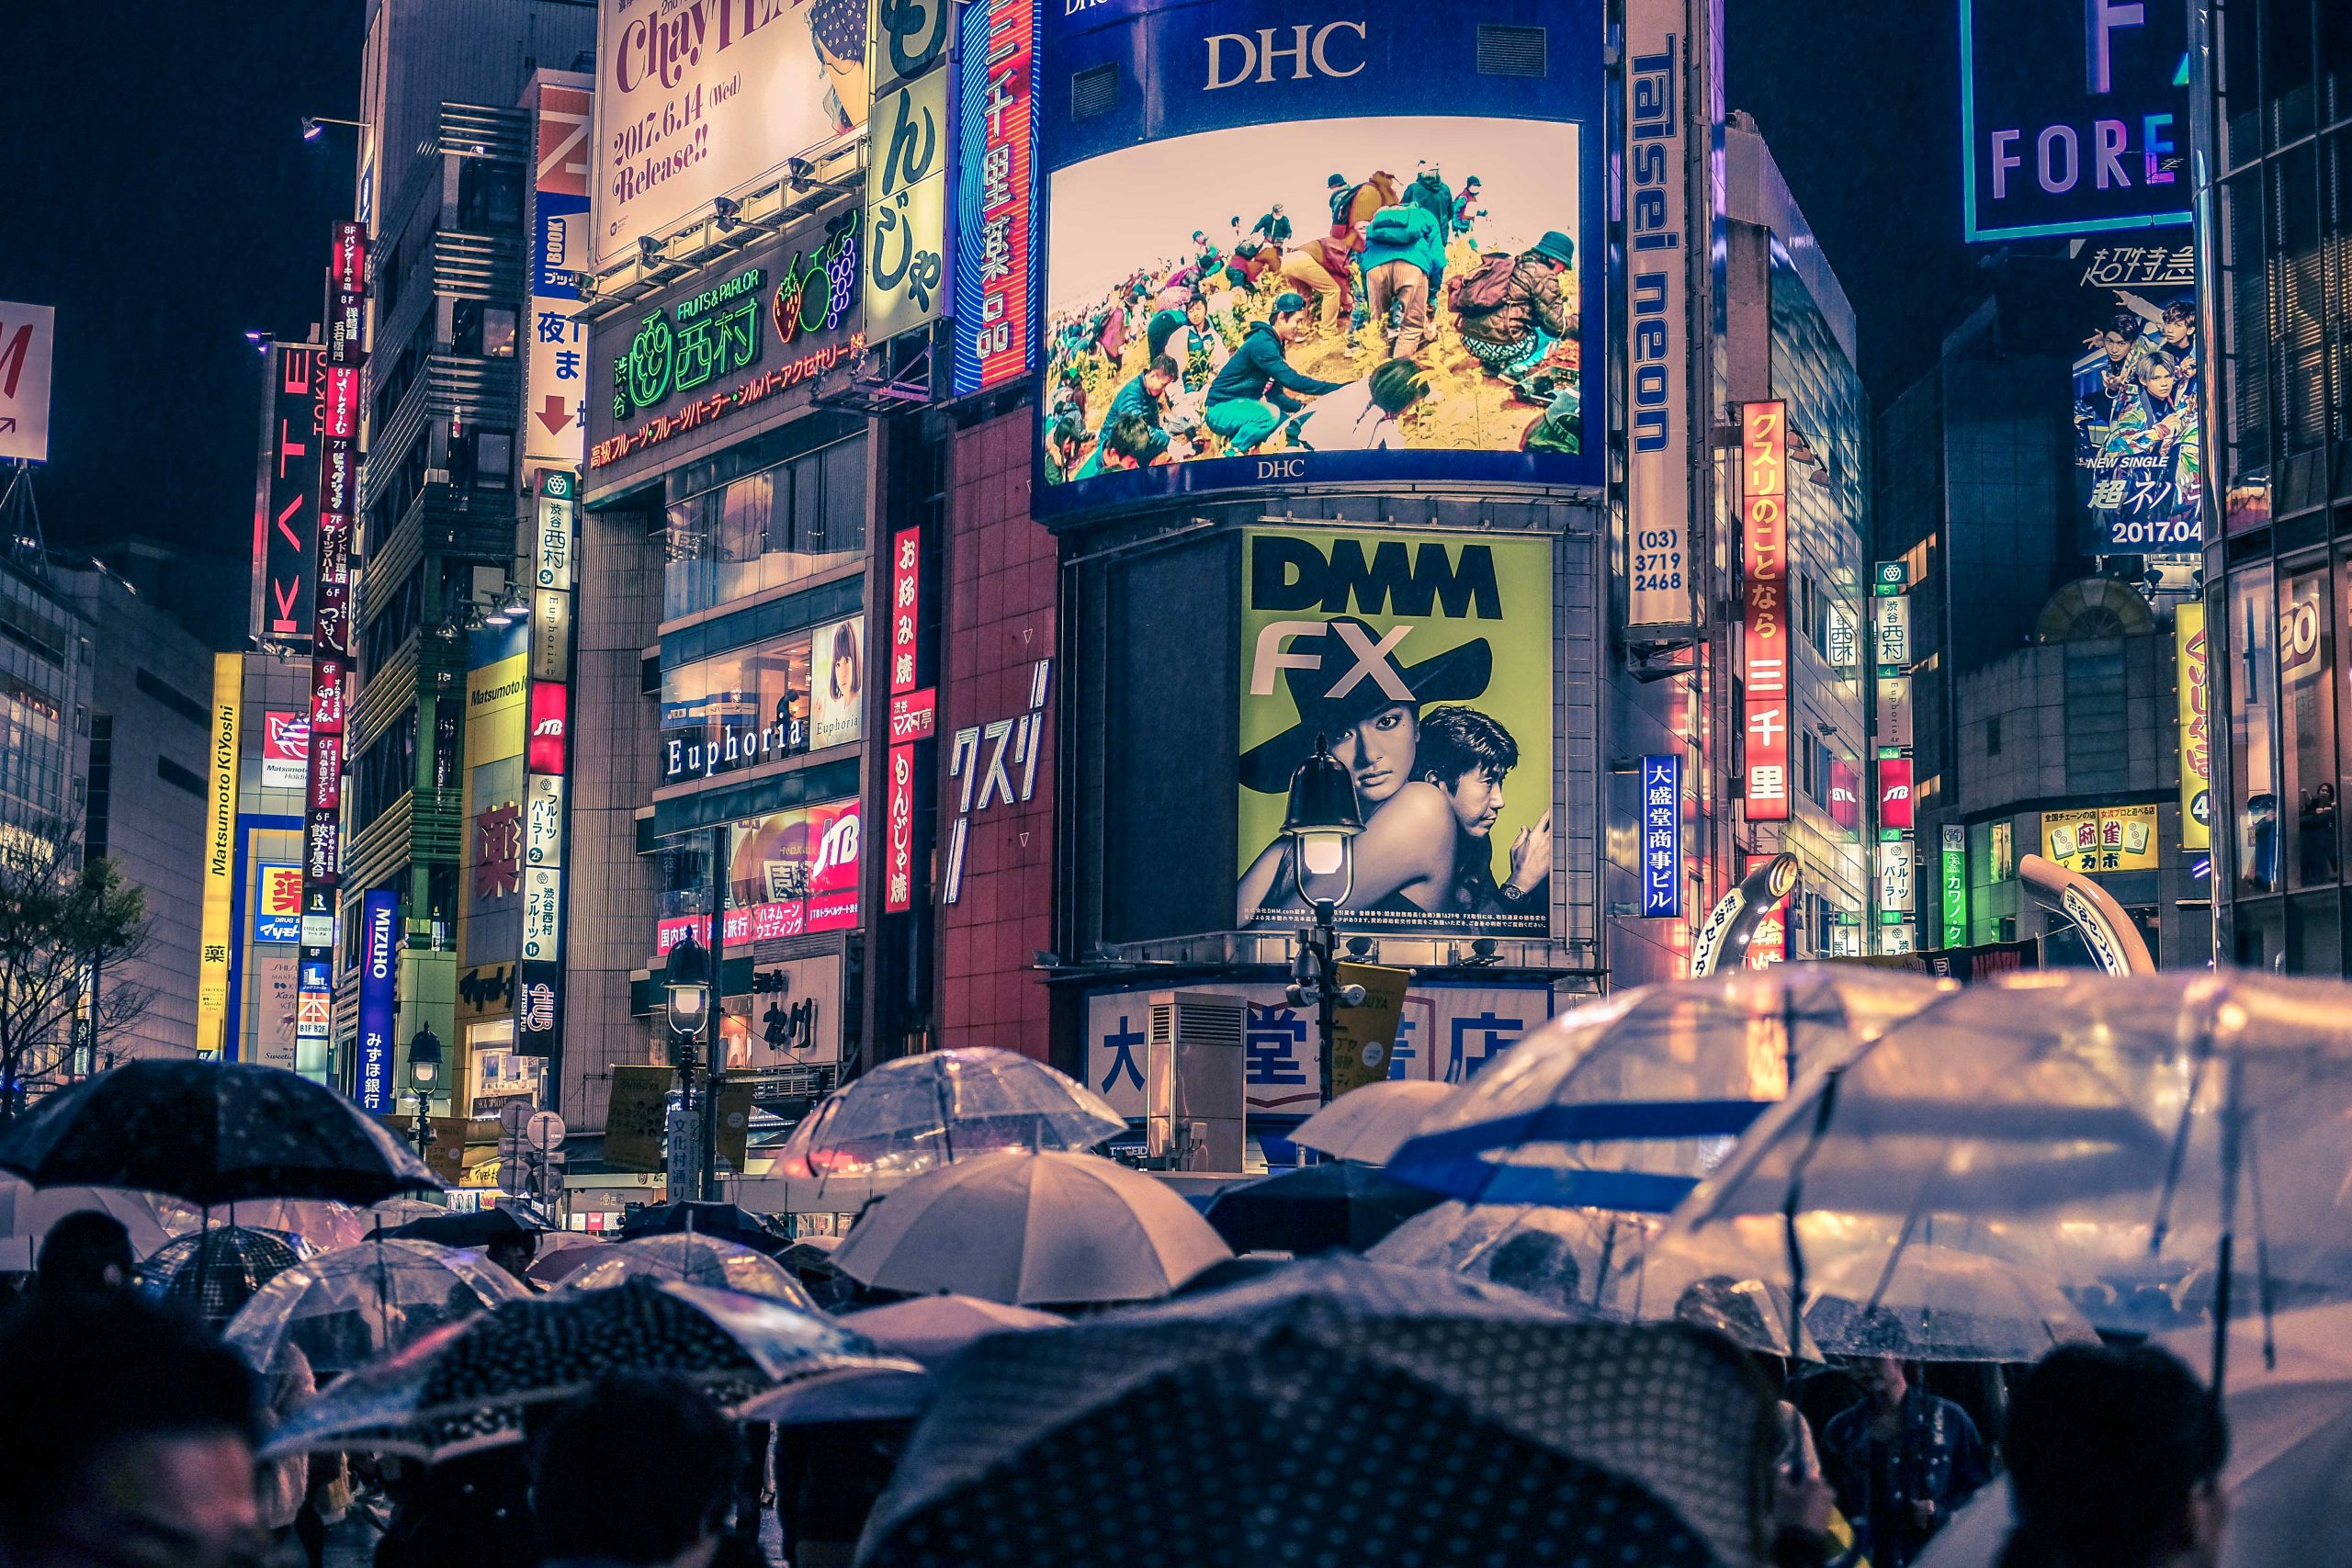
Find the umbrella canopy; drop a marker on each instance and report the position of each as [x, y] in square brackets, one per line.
[215, 1272]
[696, 1259]
[477, 1229]
[1031, 1228]
[1623, 1104]
[1370, 1122]
[1338, 1412]
[211, 1132]
[2291, 1448]
[1939, 1303]
[464, 1387]
[344, 1309]
[941, 1106]
[931, 1328]
[726, 1221]
[1315, 1209]
[29, 1212]
[393, 1212]
[323, 1226]
[561, 1255]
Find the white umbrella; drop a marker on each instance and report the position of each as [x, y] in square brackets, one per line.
[28, 1213]
[1367, 1125]
[930, 1328]
[1030, 1228]
[2291, 1448]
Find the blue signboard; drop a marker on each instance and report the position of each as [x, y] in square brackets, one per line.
[1661, 838]
[379, 967]
[1349, 249]
[2074, 116]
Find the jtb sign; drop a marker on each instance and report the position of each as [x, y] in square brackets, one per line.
[2074, 116]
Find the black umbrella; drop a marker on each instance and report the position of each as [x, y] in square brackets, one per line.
[217, 1271]
[727, 1221]
[211, 1133]
[1336, 1204]
[477, 1230]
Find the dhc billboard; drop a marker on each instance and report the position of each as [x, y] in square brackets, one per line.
[1288, 246]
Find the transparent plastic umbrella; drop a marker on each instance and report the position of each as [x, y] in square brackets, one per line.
[698, 1260]
[345, 1308]
[325, 1225]
[1939, 1303]
[931, 1110]
[215, 1272]
[1564, 1258]
[1625, 1104]
[1368, 1125]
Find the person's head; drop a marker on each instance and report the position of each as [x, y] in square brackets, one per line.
[1471, 185]
[514, 1252]
[837, 29]
[845, 672]
[1429, 169]
[85, 1251]
[1278, 210]
[1556, 250]
[1884, 1381]
[1466, 755]
[640, 1469]
[2115, 1461]
[1199, 238]
[2179, 324]
[1133, 442]
[1161, 373]
[1289, 318]
[2157, 375]
[126, 1440]
[1067, 436]
[1197, 311]
[1397, 385]
[2118, 338]
[1378, 750]
[1538, 1262]
[1337, 182]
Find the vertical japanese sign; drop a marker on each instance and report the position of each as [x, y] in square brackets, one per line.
[28, 344]
[2195, 726]
[1893, 634]
[906, 167]
[1764, 452]
[1955, 885]
[1895, 813]
[1661, 838]
[996, 191]
[905, 590]
[547, 748]
[555, 382]
[380, 968]
[286, 497]
[1658, 466]
[219, 931]
[331, 618]
[1896, 894]
[1770, 942]
[899, 817]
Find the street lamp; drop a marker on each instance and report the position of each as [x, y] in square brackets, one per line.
[688, 978]
[1322, 824]
[314, 125]
[688, 981]
[424, 1066]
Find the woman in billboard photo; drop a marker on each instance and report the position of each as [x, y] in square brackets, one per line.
[839, 683]
[837, 30]
[1287, 318]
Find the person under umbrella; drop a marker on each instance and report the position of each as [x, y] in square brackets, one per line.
[636, 1471]
[215, 1272]
[727, 1221]
[507, 1240]
[1901, 1460]
[85, 1254]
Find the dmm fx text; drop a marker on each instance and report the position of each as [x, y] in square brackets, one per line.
[1401, 579]
[1655, 238]
[1236, 58]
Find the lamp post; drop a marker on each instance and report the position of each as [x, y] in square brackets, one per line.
[688, 980]
[424, 1066]
[1322, 824]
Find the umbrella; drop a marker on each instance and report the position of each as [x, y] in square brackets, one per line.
[696, 1259]
[464, 1387]
[1623, 1105]
[2114, 1131]
[725, 1221]
[28, 1213]
[477, 1229]
[217, 1271]
[345, 1308]
[1369, 1123]
[941, 1106]
[325, 1225]
[562, 1255]
[931, 1328]
[1939, 1303]
[1029, 1228]
[211, 1132]
[393, 1212]
[1337, 1411]
[2291, 1448]
[1336, 1204]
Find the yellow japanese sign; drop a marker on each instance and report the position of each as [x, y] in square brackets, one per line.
[2114, 838]
[220, 856]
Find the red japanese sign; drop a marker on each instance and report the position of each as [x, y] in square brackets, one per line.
[1764, 450]
[551, 707]
[906, 594]
[1894, 792]
[915, 716]
[999, 156]
[898, 864]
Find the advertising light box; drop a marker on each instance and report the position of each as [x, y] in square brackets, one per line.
[1345, 250]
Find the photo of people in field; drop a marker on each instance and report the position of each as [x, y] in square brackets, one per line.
[1325, 286]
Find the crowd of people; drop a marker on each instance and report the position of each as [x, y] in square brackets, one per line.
[1338, 339]
[129, 1433]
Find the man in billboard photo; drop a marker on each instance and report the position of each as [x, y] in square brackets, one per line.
[1324, 268]
[1361, 416]
[1274, 227]
[1512, 309]
[1249, 397]
[1404, 255]
[1129, 440]
[1466, 755]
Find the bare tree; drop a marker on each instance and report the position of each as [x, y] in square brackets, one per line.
[63, 922]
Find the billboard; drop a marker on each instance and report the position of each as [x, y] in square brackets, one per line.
[1658, 325]
[1764, 618]
[555, 369]
[218, 933]
[2137, 460]
[1424, 659]
[285, 749]
[2113, 838]
[700, 101]
[837, 683]
[28, 345]
[2196, 726]
[380, 968]
[790, 874]
[1895, 816]
[277, 903]
[1661, 837]
[908, 153]
[1365, 250]
[2073, 118]
[286, 495]
[996, 192]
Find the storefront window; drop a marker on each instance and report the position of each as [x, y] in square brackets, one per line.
[802, 693]
[2307, 726]
[789, 873]
[767, 530]
[2254, 700]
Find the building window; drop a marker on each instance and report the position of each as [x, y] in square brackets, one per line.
[1993, 736]
[101, 797]
[2252, 706]
[767, 529]
[2307, 729]
[800, 693]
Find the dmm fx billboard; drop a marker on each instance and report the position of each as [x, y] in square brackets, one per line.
[1272, 240]
[1658, 325]
[2074, 116]
[1425, 661]
[706, 99]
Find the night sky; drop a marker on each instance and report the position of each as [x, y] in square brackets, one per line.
[159, 195]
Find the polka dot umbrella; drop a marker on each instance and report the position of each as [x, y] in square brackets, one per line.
[465, 1386]
[1337, 1413]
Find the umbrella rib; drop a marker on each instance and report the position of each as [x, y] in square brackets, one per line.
[1821, 1112]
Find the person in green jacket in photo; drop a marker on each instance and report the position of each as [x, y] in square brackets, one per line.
[1404, 255]
[1250, 397]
